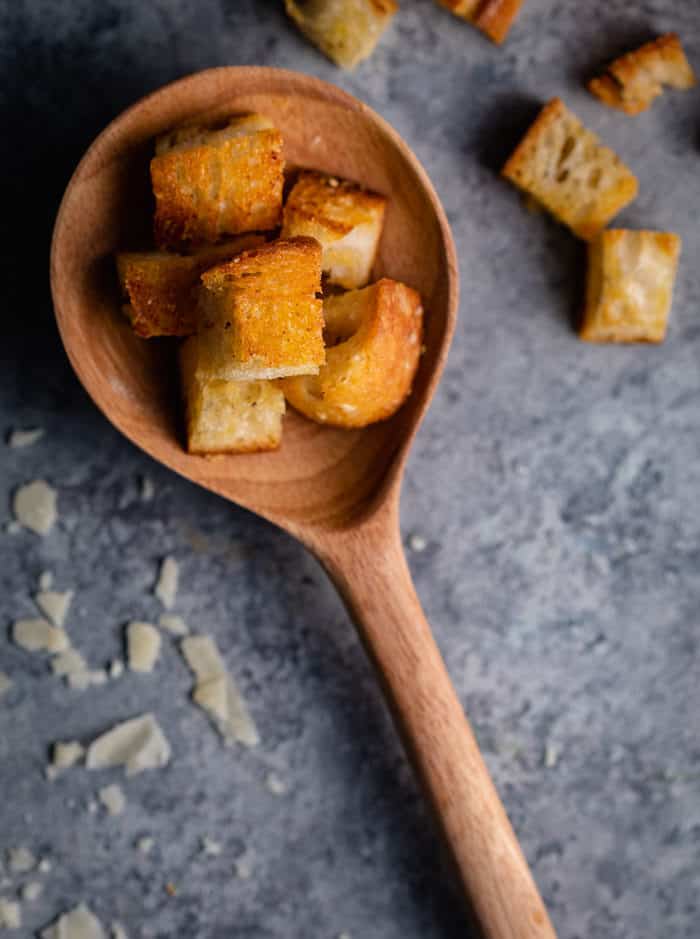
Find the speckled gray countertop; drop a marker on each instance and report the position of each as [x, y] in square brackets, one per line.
[555, 484]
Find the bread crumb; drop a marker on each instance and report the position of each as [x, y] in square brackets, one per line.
[211, 847]
[10, 914]
[148, 490]
[166, 586]
[20, 860]
[80, 923]
[113, 799]
[64, 756]
[92, 807]
[54, 604]
[38, 635]
[138, 744]
[116, 668]
[31, 891]
[45, 580]
[5, 683]
[216, 692]
[417, 543]
[143, 646]
[174, 624]
[171, 889]
[25, 438]
[34, 506]
[71, 665]
[45, 866]
[244, 866]
[551, 755]
[145, 845]
[118, 931]
[277, 786]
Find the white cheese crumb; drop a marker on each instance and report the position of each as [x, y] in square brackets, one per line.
[244, 866]
[45, 580]
[551, 755]
[25, 438]
[45, 865]
[118, 931]
[216, 692]
[211, 847]
[34, 506]
[113, 799]
[68, 663]
[116, 668]
[145, 845]
[20, 860]
[277, 786]
[138, 744]
[81, 680]
[143, 646]
[417, 543]
[38, 635]
[80, 923]
[13, 528]
[166, 587]
[5, 683]
[64, 756]
[10, 914]
[54, 604]
[31, 891]
[148, 490]
[174, 624]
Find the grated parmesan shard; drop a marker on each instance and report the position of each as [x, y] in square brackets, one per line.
[80, 923]
[143, 646]
[166, 587]
[34, 506]
[174, 624]
[38, 635]
[64, 756]
[10, 914]
[54, 604]
[138, 744]
[113, 799]
[216, 692]
[31, 891]
[45, 580]
[25, 438]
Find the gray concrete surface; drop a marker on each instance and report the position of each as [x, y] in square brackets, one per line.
[556, 485]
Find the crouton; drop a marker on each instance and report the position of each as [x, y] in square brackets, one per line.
[261, 314]
[631, 82]
[493, 17]
[566, 168]
[374, 346]
[227, 416]
[345, 219]
[629, 286]
[345, 30]
[160, 286]
[212, 183]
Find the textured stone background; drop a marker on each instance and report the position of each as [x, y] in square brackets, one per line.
[555, 483]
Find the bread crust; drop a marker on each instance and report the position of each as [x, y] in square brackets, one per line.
[374, 346]
[567, 170]
[493, 17]
[629, 286]
[631, 82]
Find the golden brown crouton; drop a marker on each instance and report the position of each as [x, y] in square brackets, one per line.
[160, 286]
[631, 82]
[261, 315]
[345, 30]
[492, 17]
[566, 168]
[227, 416]
[374, 342]
[629, 286]
[212, 183]
[345, 219]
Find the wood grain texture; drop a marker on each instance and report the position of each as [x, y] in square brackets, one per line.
[336, 490]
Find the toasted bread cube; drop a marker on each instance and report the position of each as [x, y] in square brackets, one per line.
[566, 168]
[345, 219]
[261, 315]
[374, 346]
[492, 17]
[345, 30]
[227, 416]
[631, 82]
[212, 183]
[161, 287]
[629, 286]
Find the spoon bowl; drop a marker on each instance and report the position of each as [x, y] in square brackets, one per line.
[336, 490]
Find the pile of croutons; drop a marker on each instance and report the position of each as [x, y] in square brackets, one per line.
[272, 296]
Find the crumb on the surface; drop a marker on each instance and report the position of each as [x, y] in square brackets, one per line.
[174, 624]
[551, 755]
[31, 891]
[54, 604]
[25, 438]
[38, 635]
[64, 756]
[138, 744]
[113, 799]
[20, 860]
[116, 668]
[45, 580]
[143, 646]
[145, 845]
[118, 931]
[244, 866]
[79, 923]
[5, 683]
[211, 847]
[45, 865]
[148, 490]
[275, 784]
[10, 914]
[417, 543]
[34, 506]
[166, 585]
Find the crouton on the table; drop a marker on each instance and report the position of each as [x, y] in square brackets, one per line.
[345, 30]
[493, 17]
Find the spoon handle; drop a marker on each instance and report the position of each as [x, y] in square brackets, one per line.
[369, 568]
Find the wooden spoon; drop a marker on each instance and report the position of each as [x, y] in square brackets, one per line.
[337, 491]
